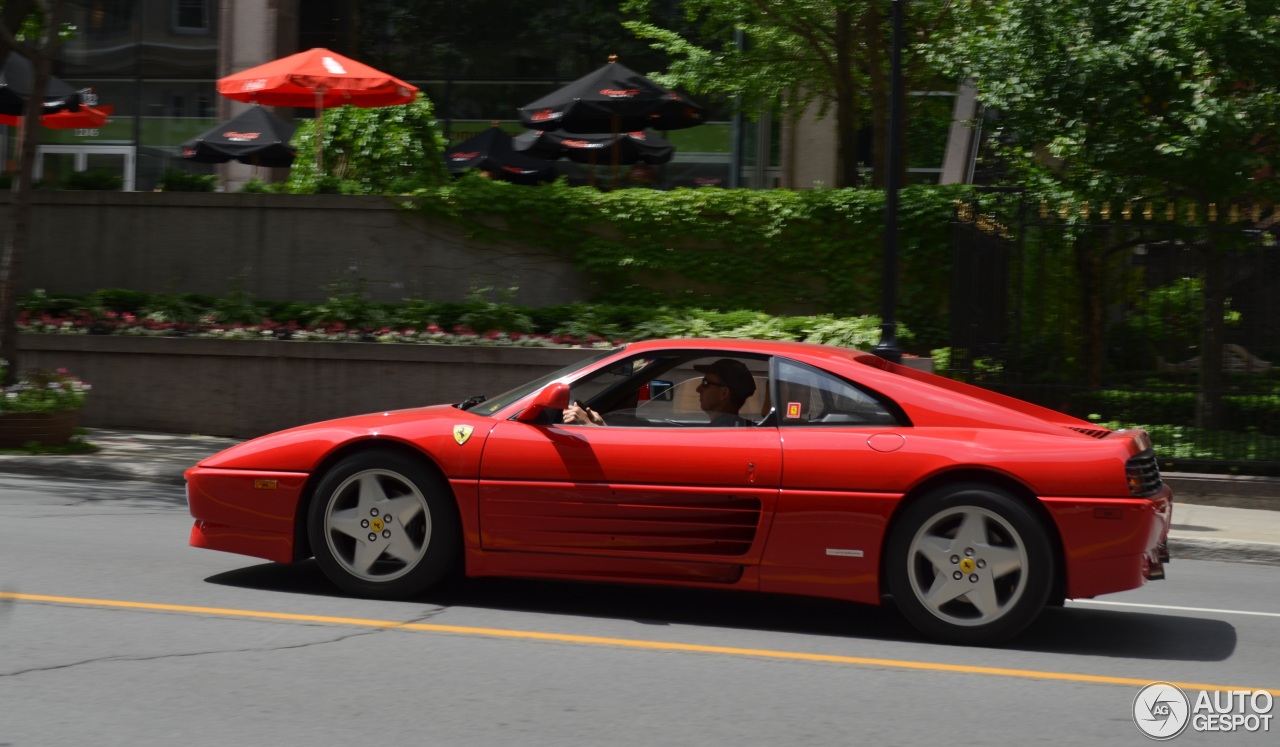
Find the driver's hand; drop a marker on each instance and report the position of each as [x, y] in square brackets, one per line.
[579, 414]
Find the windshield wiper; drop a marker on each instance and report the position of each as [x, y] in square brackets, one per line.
[471, 402]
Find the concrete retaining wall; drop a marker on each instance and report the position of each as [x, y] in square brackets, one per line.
[245, 388]
[277, 247]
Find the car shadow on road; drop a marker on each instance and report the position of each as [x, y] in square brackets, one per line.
[1072, 630]
[1128, 634]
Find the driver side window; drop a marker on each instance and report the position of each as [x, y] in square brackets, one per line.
[664, 391]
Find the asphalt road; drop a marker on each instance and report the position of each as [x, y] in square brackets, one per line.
[114, 632]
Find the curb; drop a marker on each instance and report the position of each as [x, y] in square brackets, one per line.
[1233, 551]
[1230, 491]
[80, 468]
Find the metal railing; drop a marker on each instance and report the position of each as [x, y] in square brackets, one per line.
[1103, 312]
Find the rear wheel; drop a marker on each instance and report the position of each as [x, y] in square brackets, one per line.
[970, 564]
[382, 525]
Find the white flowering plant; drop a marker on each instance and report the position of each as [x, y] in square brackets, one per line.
[43, 390]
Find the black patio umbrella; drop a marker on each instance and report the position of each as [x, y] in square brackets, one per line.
[612, 99]
[256, 137]
[633, 147]
[16, 79]
[492, 152]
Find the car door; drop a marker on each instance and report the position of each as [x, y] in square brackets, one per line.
[838, 485]
[673, 492]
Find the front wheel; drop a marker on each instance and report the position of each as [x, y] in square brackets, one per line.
[382, 525]
[970, 564]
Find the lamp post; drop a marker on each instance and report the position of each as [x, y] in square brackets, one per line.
[888, 348]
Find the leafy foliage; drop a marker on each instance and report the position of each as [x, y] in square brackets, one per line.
[775, 251]
[184, 181]
[1165, 324]
[832, 54]
[104, 180]
[1133, 96]
[486, 316]
[383, 150]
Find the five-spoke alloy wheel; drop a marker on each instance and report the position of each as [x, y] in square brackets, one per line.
[382, 525]
[970, 564]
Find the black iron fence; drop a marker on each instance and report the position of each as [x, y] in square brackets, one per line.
[1159, 314]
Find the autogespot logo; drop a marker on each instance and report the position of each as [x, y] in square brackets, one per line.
[1161, 710]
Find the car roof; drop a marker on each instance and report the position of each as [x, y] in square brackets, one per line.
[878, 371]
[762, 347]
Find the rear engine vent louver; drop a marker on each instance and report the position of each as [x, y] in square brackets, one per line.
[1143, 474]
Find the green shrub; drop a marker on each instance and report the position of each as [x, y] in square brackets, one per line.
[94, 179]
[381, 150]
[185, 181]
[258, 186]
[118, 300]
[773, 251]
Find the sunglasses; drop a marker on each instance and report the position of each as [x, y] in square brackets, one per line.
[709, 382]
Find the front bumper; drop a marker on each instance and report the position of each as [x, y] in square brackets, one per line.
[245, 512]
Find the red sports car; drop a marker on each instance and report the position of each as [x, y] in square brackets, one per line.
[766, 466]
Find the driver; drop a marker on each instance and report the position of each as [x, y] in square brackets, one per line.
[726, 385]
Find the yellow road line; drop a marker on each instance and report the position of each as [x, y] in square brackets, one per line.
[624, 643]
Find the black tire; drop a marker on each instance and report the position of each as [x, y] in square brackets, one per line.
[969, 563]
[383, 525]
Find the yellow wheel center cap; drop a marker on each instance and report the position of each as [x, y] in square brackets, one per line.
[376, 525]
[967, 565]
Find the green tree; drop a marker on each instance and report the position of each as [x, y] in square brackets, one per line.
[1168, 98]
[795, 53]
[30, 28]
[1138, 99]
[387, 150]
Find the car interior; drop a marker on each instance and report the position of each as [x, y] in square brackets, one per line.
[662, 392]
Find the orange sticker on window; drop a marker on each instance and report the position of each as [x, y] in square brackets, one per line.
[793, 409]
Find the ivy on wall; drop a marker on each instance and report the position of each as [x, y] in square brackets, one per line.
[778, 251]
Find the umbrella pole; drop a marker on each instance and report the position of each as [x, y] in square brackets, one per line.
[616, 148]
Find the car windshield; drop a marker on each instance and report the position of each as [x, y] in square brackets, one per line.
[488, 406]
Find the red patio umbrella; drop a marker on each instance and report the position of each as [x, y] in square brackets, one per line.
[318, 78]
[84, 118]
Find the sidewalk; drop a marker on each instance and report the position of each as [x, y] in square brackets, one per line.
[1215, 517]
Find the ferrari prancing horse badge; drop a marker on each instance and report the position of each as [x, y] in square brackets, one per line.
[461, 433]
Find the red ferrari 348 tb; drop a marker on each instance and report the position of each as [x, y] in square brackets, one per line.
[841, 475]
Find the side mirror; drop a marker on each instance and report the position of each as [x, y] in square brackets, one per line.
[552, 397]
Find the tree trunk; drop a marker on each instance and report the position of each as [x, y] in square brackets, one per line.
[18, 239]
[847, 118]
[874, 34]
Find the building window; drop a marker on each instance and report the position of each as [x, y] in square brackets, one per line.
[191, 16]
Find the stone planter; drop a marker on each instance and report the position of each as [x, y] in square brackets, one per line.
[245, 388]
[18, 429]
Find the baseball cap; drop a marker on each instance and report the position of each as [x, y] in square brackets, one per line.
[734, 374]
